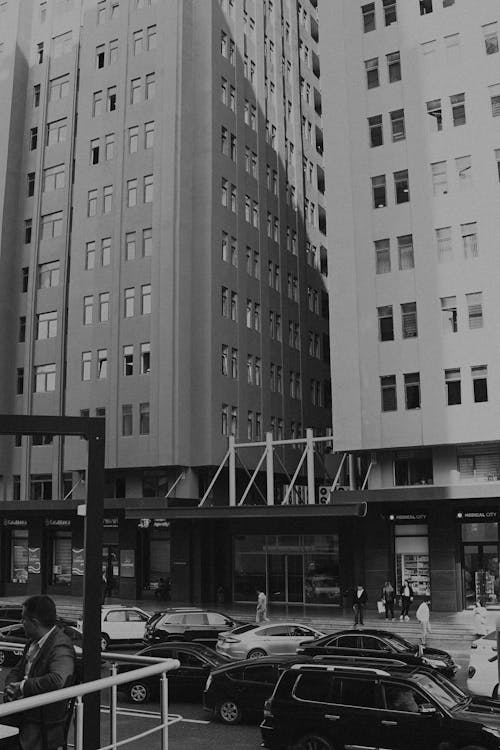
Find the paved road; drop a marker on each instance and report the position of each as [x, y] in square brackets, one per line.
[191, 729]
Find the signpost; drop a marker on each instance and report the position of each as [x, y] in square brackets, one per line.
[93, 429]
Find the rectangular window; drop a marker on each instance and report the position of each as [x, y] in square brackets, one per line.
[379, 192]
[127, 420]
[463, 165]
[33, 139]
[453, 387]
[21, 334]
[390, 13]
[494, 92]
[449, 314]
[144, 419]
[388, 393]
[137, 42]
[382, 256]
[40, 487]
[149, 134]
[131, 193]
[128, 302]
[111, 99]
[469, 239]
[145, 361]
[368, 14]
[97, 103]
[107, 199]
[88, 309]
[444, 244]
[401, 186]
[58, 88]
[372, 78]
[398, 127]
[109, 146]
[99, 56]
[146, 299]
[133, 139]
[30, 184]
[457, 102]
[102, 364]
[52, 225]
[128, 360]
[103, 307]
[412, 390]
[28, 230]
[405, 252]
[376, 131]
[480, 383]
[56, 132]
[425, 7]
[148, 188]
[20, 381]
[497, 159]
[385, 323]
[475, 309]
[48, 274]
[150, 86]
[147, 242]
[130, 246]
[106, 251]
[135, 90]
[409, 320]
[92, 203]
[94, 151]
[439, 176]
[435, 113]
[45, 378]
[394, 66]
[490, 32]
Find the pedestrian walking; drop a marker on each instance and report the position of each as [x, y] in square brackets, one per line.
[359, 600]
[480, 618]
[261, 611]
[47, 663]
[423, 615]
[388, 595]
[406, 600]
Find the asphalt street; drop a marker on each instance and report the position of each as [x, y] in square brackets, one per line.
[190, 727]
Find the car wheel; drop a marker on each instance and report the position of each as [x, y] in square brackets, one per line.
[139, 692]
[256, 653]
[104, 642]
[229, 712]
[313, 742]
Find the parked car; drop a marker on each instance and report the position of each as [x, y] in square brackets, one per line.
[188, 624]
[10, 614]
[380, 644]
[482, 675]
[322, 707]
[196, 663]
[121, 624]
[251, 641]
[16, 634]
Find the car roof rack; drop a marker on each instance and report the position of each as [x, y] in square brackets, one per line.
[353, 660]
[344, 667]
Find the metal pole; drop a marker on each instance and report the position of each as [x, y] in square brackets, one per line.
[113, 705]
[310, 467]
[92, 583]
[79, 724]
[232, 472]
[269, 468]
[164, 711]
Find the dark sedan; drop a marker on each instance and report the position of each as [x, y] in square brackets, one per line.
[16, 634]
[187, 624]
[379, 644]
[188, 681]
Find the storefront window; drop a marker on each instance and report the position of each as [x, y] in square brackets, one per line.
[249, 566]
[61, 558]
[159, 554]
[322, 571]
[412, 557]
[19, 556]
[481, 562]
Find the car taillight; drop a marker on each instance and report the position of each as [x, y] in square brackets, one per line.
[230, 639]
[267, 709]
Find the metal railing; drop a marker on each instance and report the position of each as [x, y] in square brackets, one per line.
[153, 666]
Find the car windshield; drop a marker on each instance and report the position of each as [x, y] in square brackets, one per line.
[244, 628]
[442, 690]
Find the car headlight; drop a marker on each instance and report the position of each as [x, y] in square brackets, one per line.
[492, 730]
[433, 662]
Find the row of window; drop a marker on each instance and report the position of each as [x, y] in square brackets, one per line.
[106, 203]
[141, 88]
[389, 11]
[401, 189]
[453, 388]
[393, 62]
[452, 45]
[128, 419]
[56, 132]
[103, 148]
[128, 362]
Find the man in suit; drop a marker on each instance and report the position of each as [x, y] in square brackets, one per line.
[48, 663]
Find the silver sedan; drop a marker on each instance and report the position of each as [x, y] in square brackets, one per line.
[269, 639]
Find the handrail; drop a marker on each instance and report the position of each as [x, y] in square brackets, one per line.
[35, 701]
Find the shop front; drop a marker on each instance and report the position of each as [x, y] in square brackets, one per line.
[479, 545]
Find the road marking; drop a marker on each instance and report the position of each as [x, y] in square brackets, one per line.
[138, 713]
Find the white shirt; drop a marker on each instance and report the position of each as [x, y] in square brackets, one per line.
[33, 651]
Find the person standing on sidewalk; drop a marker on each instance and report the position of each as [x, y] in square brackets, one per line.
[423, 615]
[359, 600]
[406, 600]
[388, 595]
[261, 611]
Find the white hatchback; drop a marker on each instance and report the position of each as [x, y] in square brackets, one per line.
[482, 676]
[121, 624]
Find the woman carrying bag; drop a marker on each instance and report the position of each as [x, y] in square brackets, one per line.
[388, 595]
[406, 600]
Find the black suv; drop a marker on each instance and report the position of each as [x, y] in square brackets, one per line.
[329, 707]
[380, 644]
[187, 624]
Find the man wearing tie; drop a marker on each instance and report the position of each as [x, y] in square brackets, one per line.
[48, 663]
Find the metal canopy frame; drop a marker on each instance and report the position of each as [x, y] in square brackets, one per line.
[93, 429]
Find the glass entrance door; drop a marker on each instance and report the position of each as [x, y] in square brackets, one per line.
[481, 573]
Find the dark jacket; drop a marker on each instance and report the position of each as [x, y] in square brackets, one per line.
[362, 599]
[53, 668]
[410, 590]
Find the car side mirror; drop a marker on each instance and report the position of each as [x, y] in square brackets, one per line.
[427, 709]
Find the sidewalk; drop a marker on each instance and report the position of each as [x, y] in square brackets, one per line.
[445, 625]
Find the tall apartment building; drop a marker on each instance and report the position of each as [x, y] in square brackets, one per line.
[411, 95]
[162, 263]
